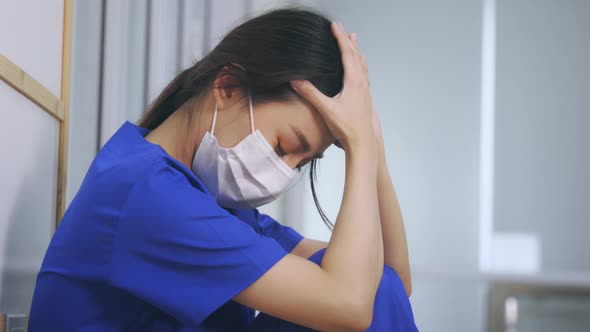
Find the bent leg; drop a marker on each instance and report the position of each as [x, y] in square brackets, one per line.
[391, 312]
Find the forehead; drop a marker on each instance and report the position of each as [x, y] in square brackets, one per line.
[298, 113]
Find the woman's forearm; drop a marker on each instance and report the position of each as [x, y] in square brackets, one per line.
[355, 250]
[392, 225]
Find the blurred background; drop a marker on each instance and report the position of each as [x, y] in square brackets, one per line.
[485, 111]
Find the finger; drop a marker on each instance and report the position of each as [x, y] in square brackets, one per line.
[362, 58]
[357, 52]
[355, 42]
[344, 43]
[308, 91]
[346, 48]
[349, 42]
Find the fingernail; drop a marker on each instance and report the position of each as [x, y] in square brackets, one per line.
[296, 83]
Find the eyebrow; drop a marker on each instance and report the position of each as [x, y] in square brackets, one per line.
[303, 142]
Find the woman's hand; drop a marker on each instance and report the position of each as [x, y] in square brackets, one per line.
[375, 116]
[349, 114]
[377, 129]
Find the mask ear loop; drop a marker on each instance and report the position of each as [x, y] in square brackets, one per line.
[251, 116]
[249, 99]
[214, 119]
[251, 113]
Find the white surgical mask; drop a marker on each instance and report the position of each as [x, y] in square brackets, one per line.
[246, 176]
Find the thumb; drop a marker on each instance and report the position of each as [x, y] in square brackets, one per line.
[307, 90]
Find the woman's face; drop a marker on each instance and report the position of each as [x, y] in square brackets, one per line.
[293, 128]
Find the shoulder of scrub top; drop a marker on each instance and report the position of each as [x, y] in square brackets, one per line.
[266, 225]
[175, 245]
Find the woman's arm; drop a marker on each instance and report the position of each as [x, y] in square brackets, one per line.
[339, 294]
[308, 247]
[392, 224]
[392, 227]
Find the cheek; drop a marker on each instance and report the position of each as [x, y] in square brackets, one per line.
[288, 143]
[289, 153]
[264, 122]
[228, 137]
[268, 133]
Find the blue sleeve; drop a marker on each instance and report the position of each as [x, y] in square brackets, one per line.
[286, 236]
[178, 250]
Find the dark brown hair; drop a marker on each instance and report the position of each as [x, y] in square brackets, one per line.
[262, 55]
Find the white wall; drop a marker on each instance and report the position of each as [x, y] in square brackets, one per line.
[543, 122]
[27, 34]
[29, 137]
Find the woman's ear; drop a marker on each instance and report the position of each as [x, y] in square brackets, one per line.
[224, 90]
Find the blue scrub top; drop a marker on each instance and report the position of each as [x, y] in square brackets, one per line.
[144, 247]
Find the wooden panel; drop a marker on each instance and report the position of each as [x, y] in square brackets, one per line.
[28, 86]
[65, 97]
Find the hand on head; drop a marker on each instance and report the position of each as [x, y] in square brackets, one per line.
[349, 114]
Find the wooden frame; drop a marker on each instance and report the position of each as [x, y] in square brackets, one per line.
[57, 107]
[30, 88]
[62, 165]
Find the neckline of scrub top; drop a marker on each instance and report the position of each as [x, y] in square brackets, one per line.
[137, 136]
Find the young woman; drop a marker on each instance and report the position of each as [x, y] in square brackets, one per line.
[164, 234]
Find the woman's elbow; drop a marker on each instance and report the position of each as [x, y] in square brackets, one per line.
[406, 279]
[364, 317]
[361, 321]
[408, 287]
[357, 315]
[408, 283]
